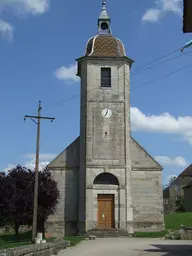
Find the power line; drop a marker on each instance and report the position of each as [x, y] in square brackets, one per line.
[132, 73]
[155, 60]
[159, 78]
[150, 67]
[134, 88]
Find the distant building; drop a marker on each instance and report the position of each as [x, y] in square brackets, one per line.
[176, 189]
[187, 16]
[188, 197]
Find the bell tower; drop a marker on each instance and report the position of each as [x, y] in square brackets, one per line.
[105, 199]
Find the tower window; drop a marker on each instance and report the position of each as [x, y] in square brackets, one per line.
[105, 77]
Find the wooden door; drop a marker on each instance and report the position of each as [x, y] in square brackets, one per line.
[105, 211]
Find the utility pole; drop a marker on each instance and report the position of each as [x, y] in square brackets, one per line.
[35, 205]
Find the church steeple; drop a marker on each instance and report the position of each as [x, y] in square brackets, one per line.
[104, 21]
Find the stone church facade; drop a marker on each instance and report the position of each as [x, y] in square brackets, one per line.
[105, 177]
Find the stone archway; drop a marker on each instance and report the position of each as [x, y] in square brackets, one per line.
[106, 187]
[106, 179]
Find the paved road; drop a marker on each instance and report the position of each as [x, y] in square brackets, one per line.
[130, 247]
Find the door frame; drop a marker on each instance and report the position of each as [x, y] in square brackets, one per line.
[111, 198]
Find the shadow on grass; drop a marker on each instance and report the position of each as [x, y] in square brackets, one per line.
[11, 240]
[171, 250]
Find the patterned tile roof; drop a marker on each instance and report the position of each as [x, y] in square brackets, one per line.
[106, 46]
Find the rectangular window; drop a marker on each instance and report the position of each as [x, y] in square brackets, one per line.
[177, 187]
[105, 77]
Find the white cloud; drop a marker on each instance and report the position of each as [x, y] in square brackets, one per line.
[42, 157]
[30, 164]
[6, 29]
[163, 123]
[26, 6]
[151, 15]
[168, 161]
[161, 8]
[33, 7]
[67, 73]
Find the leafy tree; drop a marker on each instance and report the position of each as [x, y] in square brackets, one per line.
[47, 199]
[18, 195]
[179, 204]
[3, 206]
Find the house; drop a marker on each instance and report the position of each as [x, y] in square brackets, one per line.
[175, 189]
[187, 16]
[188, 197]
[107, 180]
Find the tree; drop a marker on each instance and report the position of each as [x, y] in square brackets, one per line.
[47, 199]
[179, 204]
[18, 193]
[3, 206]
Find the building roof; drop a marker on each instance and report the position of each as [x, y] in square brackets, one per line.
[187, 172]
[106, 46]
[187, 16]
[189, 185]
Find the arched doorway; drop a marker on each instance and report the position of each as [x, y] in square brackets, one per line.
[107, 179]
[106, 186]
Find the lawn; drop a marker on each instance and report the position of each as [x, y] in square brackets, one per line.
[11, 241]
[151, 234]
[175, 220]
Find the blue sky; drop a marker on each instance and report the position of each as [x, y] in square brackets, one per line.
[39, 42]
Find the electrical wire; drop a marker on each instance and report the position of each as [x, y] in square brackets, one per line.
[161, 77]
[142, 68]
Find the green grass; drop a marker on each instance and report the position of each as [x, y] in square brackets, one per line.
[151, 234]
[175, 220]
[74, 240]
[11, 241]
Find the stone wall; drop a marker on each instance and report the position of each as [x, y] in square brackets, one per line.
[147, 200]
[64, 221]
[37, 250]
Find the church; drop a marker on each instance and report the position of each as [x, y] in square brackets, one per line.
[107, 180]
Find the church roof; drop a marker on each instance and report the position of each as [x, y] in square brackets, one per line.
[106, 46]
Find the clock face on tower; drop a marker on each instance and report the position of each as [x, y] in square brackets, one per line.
[106, 113]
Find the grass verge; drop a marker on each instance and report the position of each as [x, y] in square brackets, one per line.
[11, 241]
[175, 220]
[151, 234]
[74, 240]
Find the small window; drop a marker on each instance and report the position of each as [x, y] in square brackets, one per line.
[177, 187]
[165, 201]
[105, 77]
